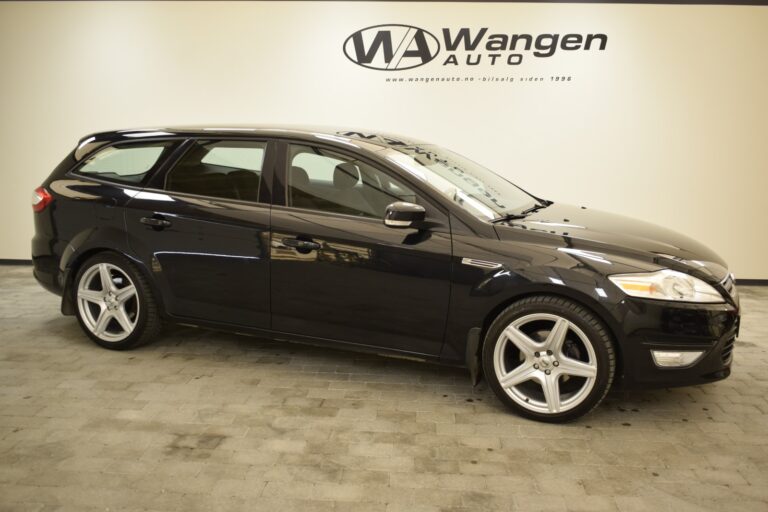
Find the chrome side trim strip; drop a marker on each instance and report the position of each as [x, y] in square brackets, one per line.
[480, 263]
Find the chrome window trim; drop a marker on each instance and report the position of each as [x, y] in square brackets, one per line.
[168, 192]
[324, 212]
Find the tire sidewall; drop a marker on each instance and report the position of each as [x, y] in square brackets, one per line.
[125, 266]
[589, 324]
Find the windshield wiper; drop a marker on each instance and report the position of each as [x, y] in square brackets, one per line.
[522, 214]
[509, 216]
[535, 207]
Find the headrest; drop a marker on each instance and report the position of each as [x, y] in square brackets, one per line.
[243, 175]
[346, 175]
[299, 178]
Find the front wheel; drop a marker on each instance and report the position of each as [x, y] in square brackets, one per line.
[115, 305]
[548, 358]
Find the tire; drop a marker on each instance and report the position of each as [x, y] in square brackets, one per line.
[121, 315]
[549, 358]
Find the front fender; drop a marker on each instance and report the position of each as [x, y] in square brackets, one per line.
[479, 294]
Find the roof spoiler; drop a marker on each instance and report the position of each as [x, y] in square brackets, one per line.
[88, 144]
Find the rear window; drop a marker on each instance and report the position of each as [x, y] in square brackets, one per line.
[125, 163]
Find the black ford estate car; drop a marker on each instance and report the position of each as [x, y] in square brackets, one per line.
[378, 243]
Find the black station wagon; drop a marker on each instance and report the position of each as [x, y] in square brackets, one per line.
[380, 243]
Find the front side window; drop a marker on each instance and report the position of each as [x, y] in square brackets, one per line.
[319, 179]
[471, 186]
[125, 163]
[226, 169]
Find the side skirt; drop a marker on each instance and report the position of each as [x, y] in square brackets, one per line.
[306, 340]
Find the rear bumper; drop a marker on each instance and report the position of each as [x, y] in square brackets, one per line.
[47, 281]
[47, 277]
[46, 265]
[670, 326]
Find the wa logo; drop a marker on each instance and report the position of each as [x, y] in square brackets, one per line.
[391, 47]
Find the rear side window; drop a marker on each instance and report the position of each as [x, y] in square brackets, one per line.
[125, 163]
[226, 169]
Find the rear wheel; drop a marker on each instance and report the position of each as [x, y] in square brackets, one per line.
[115, 305]
[548, 358]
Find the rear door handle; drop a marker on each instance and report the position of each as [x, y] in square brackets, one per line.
[301, 245]
[156, 222]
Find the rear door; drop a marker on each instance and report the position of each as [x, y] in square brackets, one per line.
[203, 230]
[338, 272]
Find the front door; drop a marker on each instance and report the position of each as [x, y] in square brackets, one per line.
[204, 232]
[337, 272]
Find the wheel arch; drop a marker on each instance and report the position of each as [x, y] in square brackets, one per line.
[586, 301]
[75, 263]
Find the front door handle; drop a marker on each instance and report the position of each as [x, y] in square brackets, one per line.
[301, 245]
[156, 222]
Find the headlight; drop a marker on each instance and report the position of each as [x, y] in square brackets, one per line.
[666, 285]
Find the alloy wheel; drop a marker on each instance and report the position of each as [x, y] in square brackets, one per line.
[108, 302]
[545, 363]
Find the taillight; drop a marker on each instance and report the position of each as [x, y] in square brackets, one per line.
[40, 199]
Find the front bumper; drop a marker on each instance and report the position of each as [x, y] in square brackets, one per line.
[674, 326]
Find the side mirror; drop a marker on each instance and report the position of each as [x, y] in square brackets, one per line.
[404, 215]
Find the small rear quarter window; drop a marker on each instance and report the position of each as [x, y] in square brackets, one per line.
[126, 163]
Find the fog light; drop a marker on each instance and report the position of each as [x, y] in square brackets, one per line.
[667, 359]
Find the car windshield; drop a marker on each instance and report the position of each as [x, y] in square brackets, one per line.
[476, 189]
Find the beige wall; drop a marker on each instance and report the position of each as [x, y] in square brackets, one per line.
[669, 123]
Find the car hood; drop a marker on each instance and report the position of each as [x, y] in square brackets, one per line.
[608, 233]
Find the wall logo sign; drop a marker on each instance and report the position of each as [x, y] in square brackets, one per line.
[391, 47]
[399, 47]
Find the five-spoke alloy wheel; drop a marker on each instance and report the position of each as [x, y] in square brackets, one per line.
[115, 305]
[548, 358]
[107, 302]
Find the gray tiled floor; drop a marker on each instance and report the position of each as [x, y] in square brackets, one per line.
[210, 421]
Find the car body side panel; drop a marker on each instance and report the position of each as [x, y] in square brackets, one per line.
[539, 264]
[366, 284]
[532, 264]
[84, 215]
[212, 262]
[221, 242]
[47, 243]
